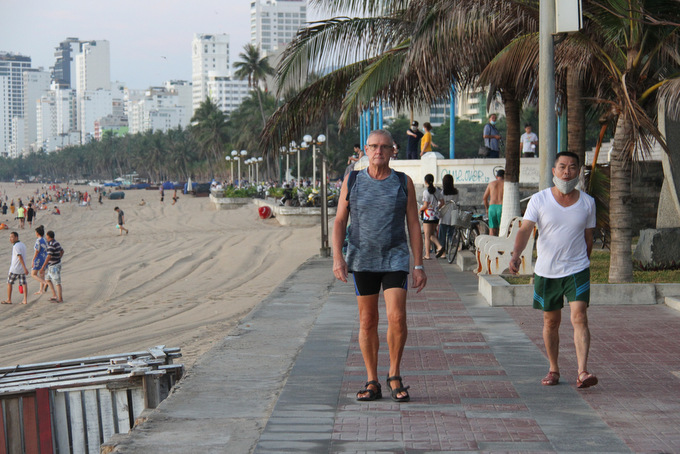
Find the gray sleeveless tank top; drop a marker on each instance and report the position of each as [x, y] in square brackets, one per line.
[377, 230]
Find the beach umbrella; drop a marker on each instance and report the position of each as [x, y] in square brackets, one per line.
[190, 187]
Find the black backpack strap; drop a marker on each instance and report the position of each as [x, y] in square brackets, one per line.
[351, 180]
[403, 181]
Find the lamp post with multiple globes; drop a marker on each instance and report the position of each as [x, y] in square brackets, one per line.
[231, 168]
[319, 141]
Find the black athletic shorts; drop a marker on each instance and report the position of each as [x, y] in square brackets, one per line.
[368, 283]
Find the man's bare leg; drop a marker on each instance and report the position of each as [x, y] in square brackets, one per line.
[368, 336]
[579, 320]
[397, 331]
[551, 337]
[59, 298]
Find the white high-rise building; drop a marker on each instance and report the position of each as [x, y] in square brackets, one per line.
[161, 109]
[93, 76]
[12, 67]
[209, 55]
[93, 105]
[184, 91]
[36, 85]
[227, 93]
[274, 23]
[93, 66]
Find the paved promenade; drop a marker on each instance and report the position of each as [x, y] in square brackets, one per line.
[285, 380]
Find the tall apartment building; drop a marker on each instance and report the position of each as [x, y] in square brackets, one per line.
[274, 23]
[93, 85]
[36, 84]
[209, 55]
[161, 108]
[12, 67]
[64, 69]
[227, 93]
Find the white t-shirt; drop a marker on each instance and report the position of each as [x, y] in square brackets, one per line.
[18, 249]
[527, 140]
[561, 242]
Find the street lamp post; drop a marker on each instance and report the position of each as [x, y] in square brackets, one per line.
[234, 157]
[283, 150]
[243, 156]
[319, 141]
[257, 168]
[231, 168]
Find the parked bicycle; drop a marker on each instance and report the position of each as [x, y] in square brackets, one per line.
[466, 226]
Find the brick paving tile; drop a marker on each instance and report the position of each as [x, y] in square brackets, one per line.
[634, 352]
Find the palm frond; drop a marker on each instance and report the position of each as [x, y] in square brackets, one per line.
[360, 7]
[335, 43]
[670, 98]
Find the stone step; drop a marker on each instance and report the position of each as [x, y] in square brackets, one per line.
[466, 260]
[673, 302]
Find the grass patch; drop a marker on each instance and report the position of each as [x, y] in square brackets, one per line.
[599, 273]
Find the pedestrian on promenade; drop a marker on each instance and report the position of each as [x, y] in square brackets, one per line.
[565, 217]
[30, 214]
[493, 202]
[433, 200]
[529, 141]
[53, 264]
[121, 220]
[380, 200]
[39, 257]
[446, 217]
[426, 142]
[17, 269]
[492, 138]
[414, 135]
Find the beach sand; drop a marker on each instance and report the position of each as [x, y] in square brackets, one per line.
[183, 277]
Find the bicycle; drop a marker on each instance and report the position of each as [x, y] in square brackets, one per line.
[466, 226]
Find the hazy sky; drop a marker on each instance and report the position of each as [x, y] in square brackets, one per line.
[140, 32]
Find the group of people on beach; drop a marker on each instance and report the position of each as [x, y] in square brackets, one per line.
[385, 222]
[45, 266]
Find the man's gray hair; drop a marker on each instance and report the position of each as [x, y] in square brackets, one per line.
[382, 132]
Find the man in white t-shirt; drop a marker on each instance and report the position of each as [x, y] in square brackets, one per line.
[529, 142]
[565, 218]
[17, 269]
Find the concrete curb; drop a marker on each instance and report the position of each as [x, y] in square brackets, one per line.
[498, 293]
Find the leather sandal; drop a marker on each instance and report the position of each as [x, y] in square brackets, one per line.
[372, 394]
[394, 393]
[585, 379]
[551, 379]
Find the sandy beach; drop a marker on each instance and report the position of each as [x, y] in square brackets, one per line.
[183, 276]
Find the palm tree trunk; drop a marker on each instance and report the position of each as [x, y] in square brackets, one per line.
[259, 99]
[620, 204]
[576, 128]
[511, 206]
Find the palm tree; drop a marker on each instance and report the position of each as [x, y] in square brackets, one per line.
[635, 45]
[210, 129]
[255, 68]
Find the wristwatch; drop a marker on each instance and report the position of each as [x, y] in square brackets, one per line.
[418, 267]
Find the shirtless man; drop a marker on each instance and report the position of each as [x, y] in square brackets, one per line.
[493, 202]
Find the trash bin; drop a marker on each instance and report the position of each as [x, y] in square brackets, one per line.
[265, 212]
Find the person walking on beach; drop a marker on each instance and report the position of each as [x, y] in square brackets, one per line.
[493, 202]
[30, 214]
[121, 220]
[17, 269]
[492, 138]
[565, 218]
[21, 215]
[39, 258]
[53, 264]
[380, 200]
[414, 135]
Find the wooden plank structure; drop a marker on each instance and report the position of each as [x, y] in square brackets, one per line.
[72, 407]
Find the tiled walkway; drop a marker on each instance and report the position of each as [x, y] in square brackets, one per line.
[475, 373]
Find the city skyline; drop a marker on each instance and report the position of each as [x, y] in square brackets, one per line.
[150, 41]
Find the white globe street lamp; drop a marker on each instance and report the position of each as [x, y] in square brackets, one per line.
[231, 168]
[319, 141]
[257, 168]
[243, 155]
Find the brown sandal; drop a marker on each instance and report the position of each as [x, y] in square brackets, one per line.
[551, 379]
[585, 379]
